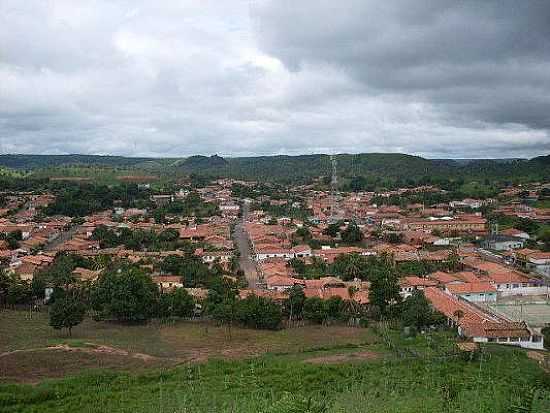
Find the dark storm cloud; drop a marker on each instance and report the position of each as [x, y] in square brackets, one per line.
[489, 60]
[240, 77]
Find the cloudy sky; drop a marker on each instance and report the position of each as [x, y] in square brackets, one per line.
[441, 78]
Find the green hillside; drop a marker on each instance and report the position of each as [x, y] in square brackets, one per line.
[505, 381]
[360, 170]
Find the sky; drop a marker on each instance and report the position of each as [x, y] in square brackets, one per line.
[167, 78]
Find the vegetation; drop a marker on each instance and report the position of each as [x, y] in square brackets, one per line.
[359, 172]
[417, 312]
[125, 294]
[12, 239]
[84, 199]
[193, 271]
[505, 380]
[191, 206]
[67, 311]
[138, 240]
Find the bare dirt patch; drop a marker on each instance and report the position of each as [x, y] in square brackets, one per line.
[345, 358]
[33, 365]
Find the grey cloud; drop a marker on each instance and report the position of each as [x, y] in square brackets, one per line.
[486, 59]
[172, 78]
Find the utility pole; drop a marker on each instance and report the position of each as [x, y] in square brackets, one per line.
[333, 188]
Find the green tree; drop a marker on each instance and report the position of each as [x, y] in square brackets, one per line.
[183, 303]
[416, 311]
[545, 239]
[384, 292]
[453, 261]
[350, 266]
[67, 311]
[125, 294]
[294, 305]
[315, 310]
[259, 312]
[333, 229]
[334, 307]
[352, 234]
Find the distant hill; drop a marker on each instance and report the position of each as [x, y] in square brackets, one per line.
[379, 167]
[44, 161]
[373, 167]
[199, 162]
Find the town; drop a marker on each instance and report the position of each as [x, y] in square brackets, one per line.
[232, 254]
[482, 264]
[274, 207]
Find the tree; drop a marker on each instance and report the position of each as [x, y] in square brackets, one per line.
[225, 313]
[315, 310]
[67, 311]
[453, 261]
[294, 305]
[125, 294]
[259, 312]
[334, 307]
[350, 266]
[183, 303]
[527, 225]
[416, 311]
[384, 292]
[13, 238]
[352, 234]
[546, 334]
[333, 229]
[303, 233]
[298, 265]
[545, 239]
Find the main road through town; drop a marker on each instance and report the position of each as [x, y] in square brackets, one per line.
[246, 260]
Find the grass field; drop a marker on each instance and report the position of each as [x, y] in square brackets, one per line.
[150, 368]
[163, 344]
[506, 381]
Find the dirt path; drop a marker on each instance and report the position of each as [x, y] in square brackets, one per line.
[90, 348]
[345, 358]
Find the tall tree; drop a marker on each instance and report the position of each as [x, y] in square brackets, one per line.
[294, 305]
[384, 292]
[67, 311]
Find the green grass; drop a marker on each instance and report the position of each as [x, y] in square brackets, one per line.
[312, 369]
[180, 339]
[505, 381]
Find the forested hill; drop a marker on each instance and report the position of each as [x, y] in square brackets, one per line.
[28, 162]
[372, 167]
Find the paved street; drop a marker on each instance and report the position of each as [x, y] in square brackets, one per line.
[246, 263]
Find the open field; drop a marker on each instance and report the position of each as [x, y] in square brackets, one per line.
[191, 367]
[504, 381]
[164, 344]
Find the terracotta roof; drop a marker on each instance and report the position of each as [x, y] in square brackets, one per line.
[418, 281]
[282, 281]
[478, 287]
[473, 321]
[444, 277]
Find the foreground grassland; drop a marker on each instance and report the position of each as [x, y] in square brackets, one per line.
[32, 353]
[303, 370]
